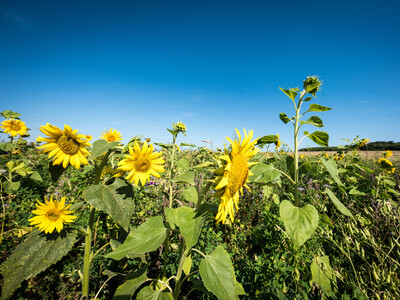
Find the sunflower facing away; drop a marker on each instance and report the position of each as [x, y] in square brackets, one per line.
[233, 175]
[51, 215]
[387, 165]
[14, 127]
[141, 163]
[66, 146]
[111, 136]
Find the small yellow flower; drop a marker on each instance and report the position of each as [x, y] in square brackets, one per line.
[111, 136]
[233, 175]
[66, 145]
[51, 215]
[141, 163]
[88, 138]
[14, 127]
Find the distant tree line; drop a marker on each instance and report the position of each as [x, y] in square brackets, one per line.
[374, 146]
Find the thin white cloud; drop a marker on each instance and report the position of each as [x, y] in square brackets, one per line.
[16, 18]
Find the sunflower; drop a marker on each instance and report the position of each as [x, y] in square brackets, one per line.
[233, 175]
[278, 142]
[66, 146]
[111, 136]
[14, 127]
[51, 215]
[88, 137]
[141, 163]
[387, 154]
[387, 165]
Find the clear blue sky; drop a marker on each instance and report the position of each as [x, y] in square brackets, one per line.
[138, 66]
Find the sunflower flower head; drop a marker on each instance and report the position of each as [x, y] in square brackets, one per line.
[67, 146]
[387, 154]
[233, 174]
[141, 163]
[111, 135]
[312, 84]
[88, 138]
[385, 164]
[51, 215]
[179, 127]
[14, 127]
[278, 142]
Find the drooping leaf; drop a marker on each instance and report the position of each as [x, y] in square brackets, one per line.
[187, 177]
[331, 166]
[11, 187]
[187, 265]
[190, 194]
[300, 222]
[115, 199]
[38, 252]
[218, 275]
[102, 146]
[290, 93]
[187, 145]
[147, 293]
[264, 173]
[319, 137]
[165, 146]
[132, 282]
[183, 163]
[314, 120]
[10, 114]
[290, 165]
[36, 176]
[339, 205]
[268, 139]
[322, 273]
[317, 107]
[285, 119]
[145, 238]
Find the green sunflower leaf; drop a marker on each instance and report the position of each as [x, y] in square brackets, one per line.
[339, 205]
[314, 120]
[187, 177]
[188, 220]
[147, 293]
[115, 199]
[331, 166]
[264, 173]
[285, 119]
[183, 163]
[322, 273]
[317, 107]
[218, 275]
[290, 93]
[300, 222]
[319, 137]
[38, 252]
[191, 194]
[10, 114]
[268, 139]
[101, 147]
[145, 238]
[132, 282]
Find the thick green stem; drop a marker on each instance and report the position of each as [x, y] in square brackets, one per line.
[178, 284]
[89, 232]
[87, 254]
[171, 172]
[296, 160]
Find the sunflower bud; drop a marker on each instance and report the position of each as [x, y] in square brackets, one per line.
[180, 127]
[312, 84]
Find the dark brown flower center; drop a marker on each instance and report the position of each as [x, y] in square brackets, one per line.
[15, 127]
[68, 145]
[53, 215]
[142, 165]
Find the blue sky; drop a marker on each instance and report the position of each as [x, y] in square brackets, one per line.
[138, 66]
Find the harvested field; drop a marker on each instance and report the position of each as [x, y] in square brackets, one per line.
[365, 154]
